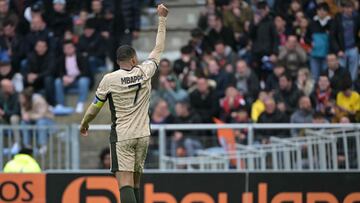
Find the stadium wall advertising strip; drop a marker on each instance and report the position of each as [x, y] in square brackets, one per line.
[185, 188]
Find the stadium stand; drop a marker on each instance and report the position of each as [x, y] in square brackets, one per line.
[239, 61]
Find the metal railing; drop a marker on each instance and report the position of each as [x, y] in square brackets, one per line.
[61, 150]
[330, 147]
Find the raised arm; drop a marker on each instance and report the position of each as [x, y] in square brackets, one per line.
[161, 33]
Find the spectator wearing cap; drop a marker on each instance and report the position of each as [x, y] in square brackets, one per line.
[92, 46]
[292, 55]
[335, 73]
[345, 38]
[287, 96]
[59, 20]
[72, 75]
[40, 70]
[219, 32]
[246, 81]
[6, 14]
[264, 36]
[203, 100]
[39, 31]
[319, 36]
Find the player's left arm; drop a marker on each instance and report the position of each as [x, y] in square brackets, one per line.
[90, 114]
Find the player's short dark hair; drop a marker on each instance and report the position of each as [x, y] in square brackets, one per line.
[125, 53]
[323, 6]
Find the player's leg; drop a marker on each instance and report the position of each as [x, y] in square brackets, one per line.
[122, 164]
[125, 181]
[140, 156]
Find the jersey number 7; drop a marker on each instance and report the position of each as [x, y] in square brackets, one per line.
[138, 86]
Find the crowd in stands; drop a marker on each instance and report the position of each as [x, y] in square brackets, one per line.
[54, 47]
[281, 61]
[248, 61]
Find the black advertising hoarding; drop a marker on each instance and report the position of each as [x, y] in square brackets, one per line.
[185, 188]
[305, 187]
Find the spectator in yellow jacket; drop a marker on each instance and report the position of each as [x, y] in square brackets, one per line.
[22, 163]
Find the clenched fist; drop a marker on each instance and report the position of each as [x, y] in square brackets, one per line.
[162, 10]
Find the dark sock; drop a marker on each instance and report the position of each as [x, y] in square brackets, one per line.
[137, 194]
[127, 195]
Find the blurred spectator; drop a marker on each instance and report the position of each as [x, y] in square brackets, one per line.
[318, 36]
[40, 70]
[185, 143]
[219, 32]
[92, 46]
[335, 73]
[280, 25]
[198, 42]
[237, 15]
[58, 19]
[203, 100]
[287, 95]
[10, 108]
[165, 70]
[12, 44]
[35, 111]
[225, 57]
[171, 92]
[293, 56]
[258, 106]
[319, 118]
[271, 115]
[210, 9]
[72, 75]
[323, 97]
[264, 36]
[22, 163]
[246, 81]
[302, 33]
[304, 114]
[304, 81]
[6, 14]
[105, 159]
[348, 103]
[232, 102]
[6, 70]
[345, 38]
[182, 64]
[161, 113]
[39, 31]
[272, 81]
[220, 76]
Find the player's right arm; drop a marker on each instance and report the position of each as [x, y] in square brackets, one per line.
[161, 33]
[95, 107]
